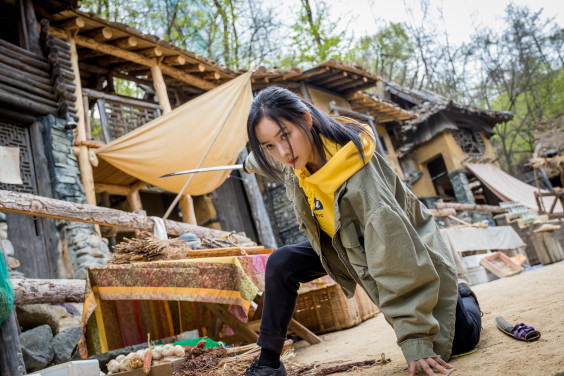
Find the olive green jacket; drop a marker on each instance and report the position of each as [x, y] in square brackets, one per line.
[386, 241]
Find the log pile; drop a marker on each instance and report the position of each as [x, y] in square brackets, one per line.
[58, 54]
[25, 82]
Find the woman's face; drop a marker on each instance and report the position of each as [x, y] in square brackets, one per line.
[277, 142]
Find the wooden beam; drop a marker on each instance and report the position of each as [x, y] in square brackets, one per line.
[174, 60]
[126, 43]
[86, 173]
[113, 189]
[101, 35]
[195, 68]
[50, 291]
[25, 203]
[73, 23]
[160, 88]
[151, 51]
[136, 58]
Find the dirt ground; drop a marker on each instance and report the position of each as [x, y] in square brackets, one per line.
[535, 297]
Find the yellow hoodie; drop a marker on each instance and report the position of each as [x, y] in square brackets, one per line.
[342, 163]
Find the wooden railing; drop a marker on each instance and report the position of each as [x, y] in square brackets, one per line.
[118, 115]
[558, 196]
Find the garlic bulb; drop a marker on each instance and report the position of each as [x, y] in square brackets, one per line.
[168, 350]
[113, 366]
[120, 357]
[178, 351]
[157, 352]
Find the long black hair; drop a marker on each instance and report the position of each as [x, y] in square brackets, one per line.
[279, 105]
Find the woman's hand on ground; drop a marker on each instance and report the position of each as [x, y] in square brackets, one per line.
[427, 364]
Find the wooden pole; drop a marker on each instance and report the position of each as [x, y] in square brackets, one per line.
[160, 88]
[187, 208]
[86, 174]
[25, 203]
[472, 207]
[49, 291]
[258, 211]
[134, 200]
[11, 359]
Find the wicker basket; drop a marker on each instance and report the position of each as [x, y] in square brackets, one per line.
[326, 310]
[366, 307]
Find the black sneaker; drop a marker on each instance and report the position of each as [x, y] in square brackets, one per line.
[256, 370]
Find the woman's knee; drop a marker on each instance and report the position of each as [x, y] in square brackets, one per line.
[279, 262]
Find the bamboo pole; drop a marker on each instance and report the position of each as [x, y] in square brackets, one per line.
[160, 88]
[86, 174]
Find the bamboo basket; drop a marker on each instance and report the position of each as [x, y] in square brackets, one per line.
[366, 307]
[326, 310]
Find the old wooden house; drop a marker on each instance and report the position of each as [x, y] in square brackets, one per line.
[440, 141]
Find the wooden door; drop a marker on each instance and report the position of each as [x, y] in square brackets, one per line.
[29, 235]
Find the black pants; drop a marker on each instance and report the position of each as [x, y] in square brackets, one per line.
[292, 264]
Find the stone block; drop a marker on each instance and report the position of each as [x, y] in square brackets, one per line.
[36, 348]
[64, 343]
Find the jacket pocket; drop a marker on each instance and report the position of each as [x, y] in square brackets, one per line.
[354, 251]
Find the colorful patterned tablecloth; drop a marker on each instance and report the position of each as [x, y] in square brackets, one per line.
[125, 302]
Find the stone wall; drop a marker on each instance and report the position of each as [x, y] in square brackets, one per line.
[282, 217]
[81, 245]
[464, 195]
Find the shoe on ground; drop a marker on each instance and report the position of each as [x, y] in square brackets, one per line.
[256, 370]
[465, 291]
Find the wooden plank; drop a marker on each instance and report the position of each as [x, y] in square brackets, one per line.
[25, 203]
[540, 248]
[28, 95]
[22, 66]
[258, 211]
[116, 98]
[304, 332]
[106, 131]
[222, 311]
[11, 360]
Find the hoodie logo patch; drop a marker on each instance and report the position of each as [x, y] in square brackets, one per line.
[318, 204]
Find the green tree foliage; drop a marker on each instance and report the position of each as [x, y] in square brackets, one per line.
[388, 53]
[314, 37]
[522, 74]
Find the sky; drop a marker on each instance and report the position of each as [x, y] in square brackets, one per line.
[460, 16]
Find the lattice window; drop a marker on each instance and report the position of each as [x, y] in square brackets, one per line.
[469, 141]
[123, 118]
[13, 135]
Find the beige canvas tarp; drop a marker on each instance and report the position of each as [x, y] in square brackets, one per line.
[180, 139]
[508, 188]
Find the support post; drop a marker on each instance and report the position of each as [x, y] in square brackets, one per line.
[187, 208]
[160, 88]
[86, 175]
[134, 200]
